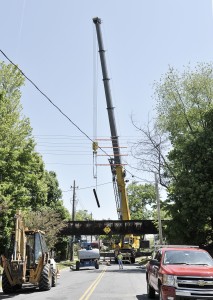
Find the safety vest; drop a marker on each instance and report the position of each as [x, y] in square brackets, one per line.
[120, 256]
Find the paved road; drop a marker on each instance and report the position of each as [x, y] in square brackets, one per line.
[107, 283]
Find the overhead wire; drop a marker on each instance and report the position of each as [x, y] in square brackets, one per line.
[89, 187]
[52, 103]
[67, 164]
[40, 91]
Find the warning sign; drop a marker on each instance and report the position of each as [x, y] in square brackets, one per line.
[107, 229]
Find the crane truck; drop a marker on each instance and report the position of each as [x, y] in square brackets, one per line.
[128, 243]
[28, 260]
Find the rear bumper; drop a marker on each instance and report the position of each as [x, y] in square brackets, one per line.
[88, 263]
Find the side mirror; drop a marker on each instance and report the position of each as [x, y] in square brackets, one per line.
[154, 262]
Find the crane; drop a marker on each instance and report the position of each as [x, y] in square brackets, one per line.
[116, 163]
[118, 171]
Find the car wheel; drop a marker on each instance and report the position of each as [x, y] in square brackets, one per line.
[96, 265]
[45, 282]
[150, 291]
[77, 265]
[160, 293]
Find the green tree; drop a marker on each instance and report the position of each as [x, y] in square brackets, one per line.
[192, 191]
[82, 215]
[183, 99]
[21, 168]
[54, 192]
[24, 182]
[15, 144]
[142, 200]
[47, 220]
[185, 116]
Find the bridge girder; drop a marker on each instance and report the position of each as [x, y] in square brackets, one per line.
[109, 227]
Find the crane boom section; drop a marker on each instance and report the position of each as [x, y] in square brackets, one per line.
[124, 206]
[106, 81]
[123, 195]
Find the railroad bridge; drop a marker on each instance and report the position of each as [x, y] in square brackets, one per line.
[109, 227]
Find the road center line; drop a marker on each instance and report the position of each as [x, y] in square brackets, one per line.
[92, 287]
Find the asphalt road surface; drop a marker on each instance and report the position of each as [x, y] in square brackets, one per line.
[107, 283]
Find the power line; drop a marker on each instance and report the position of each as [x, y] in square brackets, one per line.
[67, 164]
[89, 187]
[64, 154]
[61, 136]
[50, 100]
[45, 96]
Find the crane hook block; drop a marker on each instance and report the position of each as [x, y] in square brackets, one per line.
[95, 146]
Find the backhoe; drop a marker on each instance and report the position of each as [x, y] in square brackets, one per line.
[28, 260]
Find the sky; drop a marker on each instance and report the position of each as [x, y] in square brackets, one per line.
[54, 43]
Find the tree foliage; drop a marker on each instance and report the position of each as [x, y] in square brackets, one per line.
[183, 99]
[24, 182]
[178, 146]
[185, 111]
[53, 192]
[47, 220]
[190, 199]
[142, 200]
[82, 215]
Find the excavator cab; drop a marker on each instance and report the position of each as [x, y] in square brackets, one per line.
[35, 247]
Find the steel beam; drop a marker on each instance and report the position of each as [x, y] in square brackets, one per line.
[109, 227]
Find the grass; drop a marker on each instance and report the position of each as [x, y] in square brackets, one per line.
[65, 264]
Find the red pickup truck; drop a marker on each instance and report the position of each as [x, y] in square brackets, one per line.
[180, 273]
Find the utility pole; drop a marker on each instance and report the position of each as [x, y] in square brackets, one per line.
[73, 219]
[158, 208]
[73, 202]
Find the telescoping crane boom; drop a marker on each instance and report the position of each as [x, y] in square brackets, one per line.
[116, 165]
[129, 241]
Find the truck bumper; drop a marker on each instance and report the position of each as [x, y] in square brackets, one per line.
[171, 293]
[87, 264]
[195, 294]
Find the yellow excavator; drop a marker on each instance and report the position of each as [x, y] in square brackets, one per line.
[28, 260]
[129, 243]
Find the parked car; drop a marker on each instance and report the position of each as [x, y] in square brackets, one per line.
[180, 272]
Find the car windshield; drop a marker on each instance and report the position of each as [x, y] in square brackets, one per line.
[173, 257]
